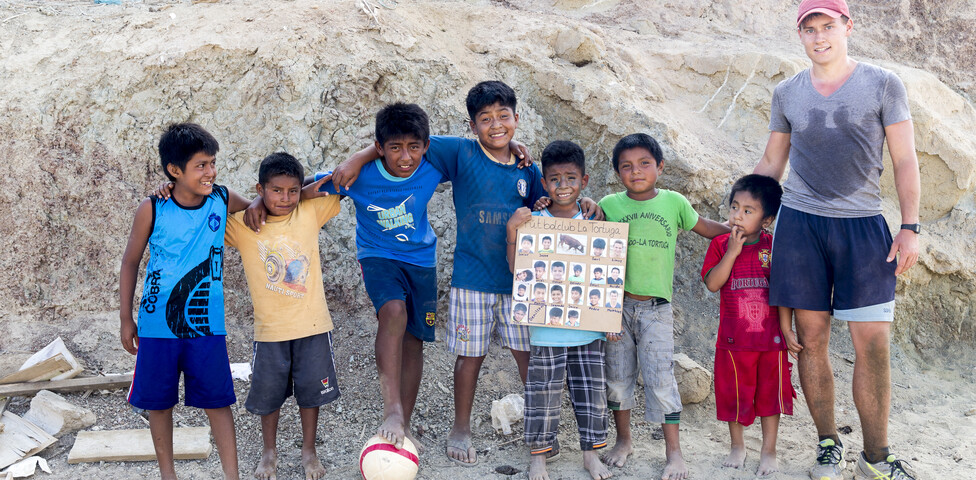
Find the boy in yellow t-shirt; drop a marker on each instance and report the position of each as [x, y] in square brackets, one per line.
[292, 325]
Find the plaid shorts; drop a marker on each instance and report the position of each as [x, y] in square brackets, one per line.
[473, 317]
[549, 369]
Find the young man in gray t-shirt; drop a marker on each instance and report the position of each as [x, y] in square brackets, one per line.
[832, 251]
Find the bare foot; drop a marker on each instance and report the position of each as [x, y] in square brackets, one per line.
[767, 464]
[267, 467]
[460, 449]
[392, 430]
[592, 464]
[537, 468]
[313, 467]
[617, 456]
[416, 443]
[736, 458]
[675, 468]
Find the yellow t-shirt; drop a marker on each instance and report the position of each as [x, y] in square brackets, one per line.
[284, 271]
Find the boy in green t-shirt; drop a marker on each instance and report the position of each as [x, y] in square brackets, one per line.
[654, 216]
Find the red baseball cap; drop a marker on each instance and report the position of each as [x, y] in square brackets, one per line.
[831, 8]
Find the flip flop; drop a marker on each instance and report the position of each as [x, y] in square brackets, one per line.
[554, 453]
[477, 460]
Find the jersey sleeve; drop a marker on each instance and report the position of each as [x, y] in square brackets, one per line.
[687, 216]
[536, 191]
[894, 101]
[714, 254]
[327, 186]
[233, 230]
[777, 118]
[444, 153]
[325, 208]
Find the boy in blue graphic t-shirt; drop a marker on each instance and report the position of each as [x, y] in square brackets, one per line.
[181, 314]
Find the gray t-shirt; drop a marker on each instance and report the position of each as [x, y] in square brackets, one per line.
[836, 141]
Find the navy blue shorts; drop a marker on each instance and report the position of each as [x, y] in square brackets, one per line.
[833, 264]
[388, 280]
[202, 360]
[304, 366]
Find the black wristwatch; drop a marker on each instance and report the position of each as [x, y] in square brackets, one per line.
[914, 227]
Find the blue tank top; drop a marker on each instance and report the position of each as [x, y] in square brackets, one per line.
[183, 295]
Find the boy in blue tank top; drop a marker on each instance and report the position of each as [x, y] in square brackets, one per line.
[181, 313]
[561, 355]
[488, 185]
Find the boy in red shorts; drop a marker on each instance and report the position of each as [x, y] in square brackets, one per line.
[752, 373]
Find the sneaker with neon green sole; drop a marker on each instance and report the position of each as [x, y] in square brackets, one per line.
[830, 461]
[888, 469]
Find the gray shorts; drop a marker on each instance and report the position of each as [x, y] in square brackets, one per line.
[648, 343]
[304, 366]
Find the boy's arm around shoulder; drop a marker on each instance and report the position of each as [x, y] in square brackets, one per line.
[710, 228]
[236, 202]
[142, 227]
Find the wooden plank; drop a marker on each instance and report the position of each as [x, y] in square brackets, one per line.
[43, 370]
[136, 445]
[106, 382]
[20, 439]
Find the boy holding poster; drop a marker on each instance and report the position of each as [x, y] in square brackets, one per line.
[560, 353]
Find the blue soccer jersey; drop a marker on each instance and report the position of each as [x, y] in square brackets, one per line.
[486, 193]
[391, 213]
[183, 295]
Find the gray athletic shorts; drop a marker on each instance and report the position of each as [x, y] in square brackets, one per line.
[304, 367]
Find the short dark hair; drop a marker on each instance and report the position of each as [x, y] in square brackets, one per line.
[599, 243]
[615, 268]
[489, 93]
[562, 152]
[280, 163]
[181, 141]
[598, 269]
[556, 312]
[522, 286]
[547, 237]
[527, 238]
[573, 313]
[539, 263]
[577, 288]
[521, 306]
[636, 140]
[556, 288]
[594, 292]
[539, 285]
[559, 264]
[766, 189]
[398, 120]
[577, 267]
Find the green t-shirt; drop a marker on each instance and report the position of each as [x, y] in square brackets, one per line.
[651, 239]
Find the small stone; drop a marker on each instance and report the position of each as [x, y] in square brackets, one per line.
[845, 430]
[971, 412]
[657, 434]
[694, 382]
[507, 470]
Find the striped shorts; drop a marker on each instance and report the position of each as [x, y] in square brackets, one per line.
[473, 317]
[550, 368]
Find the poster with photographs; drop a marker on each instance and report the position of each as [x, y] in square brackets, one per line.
[570, 274]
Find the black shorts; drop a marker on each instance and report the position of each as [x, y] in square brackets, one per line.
[388, 280]
[304, 366]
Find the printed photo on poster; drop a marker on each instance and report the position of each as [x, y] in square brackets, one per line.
[577, 272]
[545, 244]
[598, 275]
[539, 269]
[617, 249]
[599, 247]
[556, 295]
[571, 244]
[573, 318]
[555, 316]
[526, 245]
[524, 275]
[596, 297]
[521, 292]
[520, 313]
[539, 293]
[616, 276]
[576, 295]
[614, 297]
[557, 272]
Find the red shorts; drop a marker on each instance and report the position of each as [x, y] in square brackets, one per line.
[752, 384]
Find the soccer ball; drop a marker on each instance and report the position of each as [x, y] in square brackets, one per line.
[380, 460]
